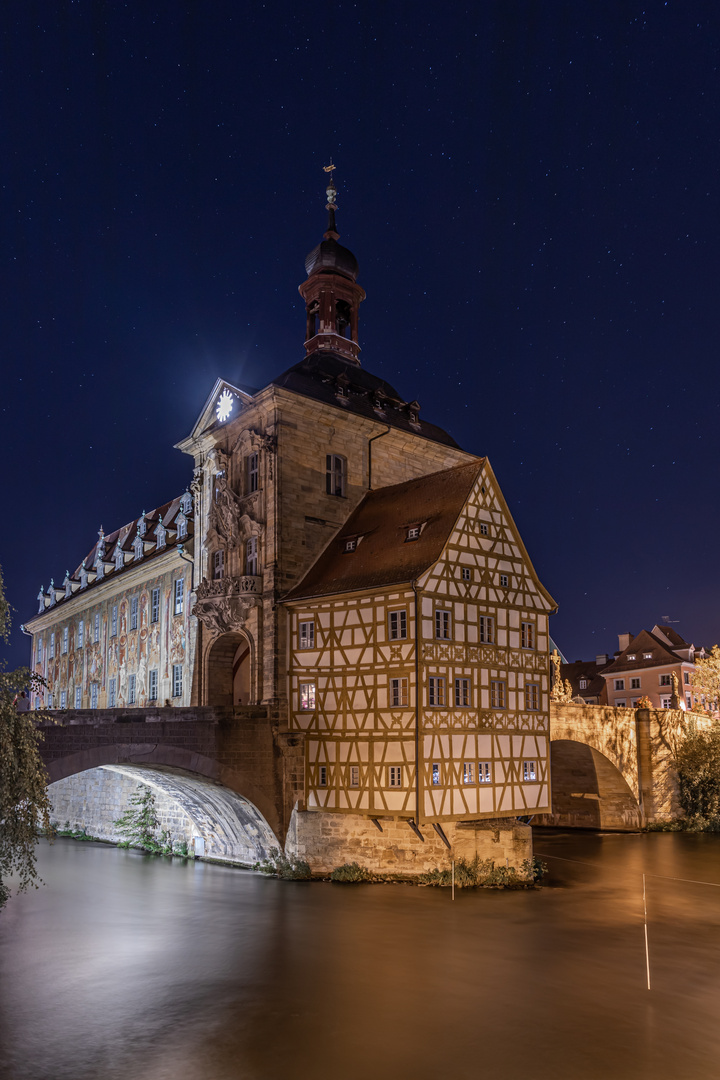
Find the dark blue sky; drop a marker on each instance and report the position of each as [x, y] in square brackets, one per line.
[531, 190]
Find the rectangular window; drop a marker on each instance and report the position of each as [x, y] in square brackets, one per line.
[307, 695]
[532, 697]
[666, 703]
[688, 701]
[647, 656]
[335, 470]
[152, 685]
[351, 543]
[113, 621]
[686, 678]
[413, 533]
[132, 684]
[322, 776]
[65, 638]
[503, 581]
[252, 473]
[397, 625]
[664, 680]
[251, 556]
[354, 776]
[50, 701]
[529, 770]
[527, 635]
[465, 573]
[620, 703]
[155, 605]
[93, 695]
[497, 694]
[395, 776]
[179, 594]
[435, 773]
[78, 697]
[398, 692]
[468, 773]
[442, 625]
[51, 650]
[134, 613]
[112, 693]
[436, 691]
[177, 680]
[38, 655]
[486, 629]
[307, 635]
[619, 684]
[81, 634]
[218, 565]
[97, 627]
[462, 693]
[484, 772]
[63, 699]
[483, 528]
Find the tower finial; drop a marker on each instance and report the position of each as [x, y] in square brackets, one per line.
[331, 205]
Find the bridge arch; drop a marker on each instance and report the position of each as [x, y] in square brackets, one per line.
[589, 790]
[235, 819]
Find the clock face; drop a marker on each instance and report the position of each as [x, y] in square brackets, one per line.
[225, 406]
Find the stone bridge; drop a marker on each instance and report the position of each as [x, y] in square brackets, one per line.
[233, 774]
[613, 768]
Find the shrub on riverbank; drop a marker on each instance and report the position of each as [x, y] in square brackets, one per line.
[697, 760]
[278, 865]
[484, 874]
[350, 874]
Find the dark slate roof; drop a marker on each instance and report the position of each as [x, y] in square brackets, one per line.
[383, 556]
[644, 642]
[321, 376]
[588, 669]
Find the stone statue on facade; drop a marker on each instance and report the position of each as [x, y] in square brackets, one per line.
[225, 604]
[675, 699]
[225, 512]
[561, 693]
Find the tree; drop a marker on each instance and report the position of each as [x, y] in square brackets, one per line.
[139, 824]
[698, 766]
[24, 803]
[706, 680]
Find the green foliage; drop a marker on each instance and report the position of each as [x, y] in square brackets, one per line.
[139, 823]
[706, 681]
[350, 874]
[533, 869]
[484, 874]
[697, 760]
[181, 849]
[24, 804]
[73, 834]
[278, 865]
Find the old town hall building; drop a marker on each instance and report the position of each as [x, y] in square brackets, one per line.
[339, 557]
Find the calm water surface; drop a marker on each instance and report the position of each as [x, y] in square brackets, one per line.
[125, 967]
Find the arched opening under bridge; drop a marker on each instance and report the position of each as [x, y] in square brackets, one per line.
[588, 790]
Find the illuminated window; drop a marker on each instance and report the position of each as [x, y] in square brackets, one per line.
[354, 776]
[179, 593]
[443, 625]
[252, 473]
[486, 629]
[307, 695]
[465, 573]
[152, 685]
[177, 680]
[134, 613]
[132, 683]
[632, 656]
[647, 656]
[435, 773]
[532, 697]
[398, 692]
[436, 690]
[529, 770]
[113, 621]
[468, 773]
[462, 693]
[251, 556]
[112, 693]
[527, 635]
[307, 635]
[155, 605]
[397, 625]
[78, 697]
[335, 474]
[218, 565]
[395, 776]
[484, 772]
[497, 693]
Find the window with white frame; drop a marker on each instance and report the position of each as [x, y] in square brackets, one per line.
[155, 605]
[486, 629]
[665, 680]
[138, 547]
[532, 697]
[218, 564]
[647, 656]
[354, 778]
[251, 556]
[307, 695]
[93, 695]
[527, 635]
[462, 693]
[443, 624]
[398, 692]
[97, 627]
[394, 775]
[583, 684]
[632, 656]
[484, 772]
[177, 680]
[81, 634]
[436, 773]
[65, 638]
[63, 699]
[397, 625]
[436, 690]
[620, 703]
[634, 702]
[132, 689]
[112, 693]
[181, 524]
[619, 684]
[152, 685]
[468, 775]
[666, 703]
[503, 581]
[186, 503]
[635, 684]
[306, 635]
[179, 593]
[134, 604]
[322, 776]
[529, 770]
[119, 558]
[51, 650]
[252, 473]
[113, 621]
[78, 697]
[497, 693]
[335, 474]
[465, 573]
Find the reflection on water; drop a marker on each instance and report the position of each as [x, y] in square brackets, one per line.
[125, 967]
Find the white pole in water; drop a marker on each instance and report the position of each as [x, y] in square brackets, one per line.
[647, 953]
[453, 879]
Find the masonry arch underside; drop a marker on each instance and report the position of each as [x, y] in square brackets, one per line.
[92, 789]
[588, 790]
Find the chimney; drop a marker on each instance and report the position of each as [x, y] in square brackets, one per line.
[624, 641]
[601, 659]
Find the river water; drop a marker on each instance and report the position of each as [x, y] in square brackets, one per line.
[125, 967]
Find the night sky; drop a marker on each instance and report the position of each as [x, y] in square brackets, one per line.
[531, 190]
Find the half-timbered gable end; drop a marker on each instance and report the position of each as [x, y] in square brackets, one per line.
[457, 728]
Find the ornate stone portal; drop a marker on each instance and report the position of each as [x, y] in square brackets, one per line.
[225, 604]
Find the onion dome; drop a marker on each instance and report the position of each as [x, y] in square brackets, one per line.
[329, 255]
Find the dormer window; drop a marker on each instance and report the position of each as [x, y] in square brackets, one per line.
[583, 684]
[160, 533]
[413, 532]
[181, 523]
[413, 409]
[647, 656]
[186, 503]
[142, 525]
[119, 558]
[631, 656]
[351, 543]
[138, 547]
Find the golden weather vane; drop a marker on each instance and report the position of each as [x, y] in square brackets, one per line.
[331, 189]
